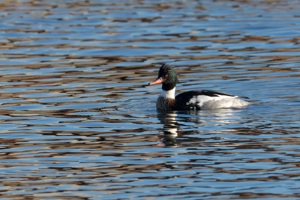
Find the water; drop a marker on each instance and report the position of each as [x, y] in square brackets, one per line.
[77, 123]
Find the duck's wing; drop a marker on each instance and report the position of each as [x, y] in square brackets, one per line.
[205, 99]
[212, 93]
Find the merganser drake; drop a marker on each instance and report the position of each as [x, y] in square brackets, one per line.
[191, 100]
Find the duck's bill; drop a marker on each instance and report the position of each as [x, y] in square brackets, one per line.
[157, 81]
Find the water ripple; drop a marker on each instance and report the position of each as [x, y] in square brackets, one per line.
[77, 123]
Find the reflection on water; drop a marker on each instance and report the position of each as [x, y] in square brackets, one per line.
[169, 132]
[77, 123]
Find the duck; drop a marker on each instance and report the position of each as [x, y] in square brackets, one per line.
[190, 100]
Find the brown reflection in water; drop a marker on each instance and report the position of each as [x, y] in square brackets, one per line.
[48, 71]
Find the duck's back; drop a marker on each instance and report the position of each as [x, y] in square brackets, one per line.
[207, 99]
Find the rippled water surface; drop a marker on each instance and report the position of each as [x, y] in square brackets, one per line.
[77, 123]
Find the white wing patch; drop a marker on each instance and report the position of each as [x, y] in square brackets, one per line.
[220, 101]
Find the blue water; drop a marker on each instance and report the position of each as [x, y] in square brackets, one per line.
[77, 123]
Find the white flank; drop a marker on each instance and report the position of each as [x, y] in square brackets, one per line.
[221, 101]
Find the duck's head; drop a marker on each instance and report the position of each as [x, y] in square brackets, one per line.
[167, 76]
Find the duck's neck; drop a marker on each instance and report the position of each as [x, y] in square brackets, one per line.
[166, 100]
[170, 94]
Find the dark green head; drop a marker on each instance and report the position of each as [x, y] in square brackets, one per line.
[167, 76]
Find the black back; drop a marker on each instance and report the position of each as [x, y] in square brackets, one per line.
[183, 98]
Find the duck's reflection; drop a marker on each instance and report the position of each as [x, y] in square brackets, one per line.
[194, 122]
[169, 132]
